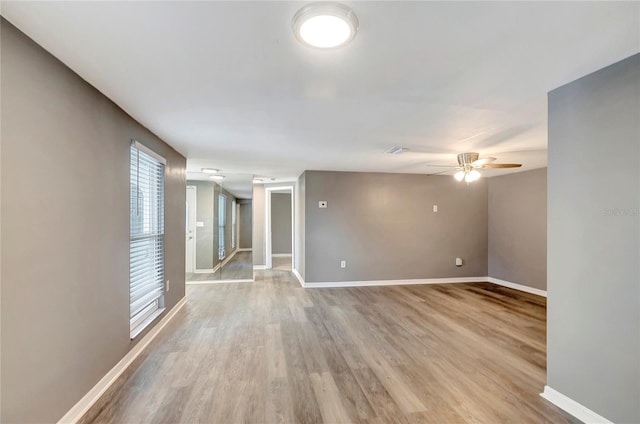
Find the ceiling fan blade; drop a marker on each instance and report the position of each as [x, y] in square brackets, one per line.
[442, 166]
[483, 161]
[441, 172]
[501, 165]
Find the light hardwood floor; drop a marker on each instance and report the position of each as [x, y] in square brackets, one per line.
[281, 263]
[273, 352]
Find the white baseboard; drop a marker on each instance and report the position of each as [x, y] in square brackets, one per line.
[572, 407]
[227, 259]
[517, 286]
[492, 280]
[204, 271]
[298, 276]
[281, 255]
[83, 405]
[396, 282]
[496, 281]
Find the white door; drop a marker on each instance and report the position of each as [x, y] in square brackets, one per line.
[190, 251]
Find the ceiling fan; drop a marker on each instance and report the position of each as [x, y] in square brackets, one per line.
[469, 164]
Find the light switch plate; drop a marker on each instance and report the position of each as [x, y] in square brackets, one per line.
[322, 204]
[200, 224]
[435, 208]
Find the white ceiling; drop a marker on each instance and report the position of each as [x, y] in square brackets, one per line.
[227, 84]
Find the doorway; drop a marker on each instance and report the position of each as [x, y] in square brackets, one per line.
[279, 228]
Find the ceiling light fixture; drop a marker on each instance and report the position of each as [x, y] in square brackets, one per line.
[325, 25]
[217, 177]
[396, 150]
[257, 181]
[468, 175]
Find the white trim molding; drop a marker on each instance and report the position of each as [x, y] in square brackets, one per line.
[148, 151]
[516, 286]
[451, 280]
[298, 276]
[259, 267]
[228, 258]
[281, 255]
[395, 282]
[572, 407]
[88, 400]
[244, 249]
[206, 271]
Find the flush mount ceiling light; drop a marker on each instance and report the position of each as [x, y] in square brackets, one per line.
[257, 181]
[325, 25]
[210, 170]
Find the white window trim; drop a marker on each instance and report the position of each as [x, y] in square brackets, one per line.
[142, 323]
[148, 151]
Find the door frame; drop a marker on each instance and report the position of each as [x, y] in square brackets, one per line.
[267, 224]
[195, 226]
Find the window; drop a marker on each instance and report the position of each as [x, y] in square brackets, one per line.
[222, 223]
[233, 224]
[146, 240]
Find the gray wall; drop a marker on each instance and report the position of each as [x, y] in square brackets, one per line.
[258, 225]
[245, 221]
[593, 348]
[518, 228]
[281, 220]
[384, 227]
[65, 232]
[206, 254]
[299, 222]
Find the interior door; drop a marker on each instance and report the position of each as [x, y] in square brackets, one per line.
[190, 235]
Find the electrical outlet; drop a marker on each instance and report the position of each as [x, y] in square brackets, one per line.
[168, 285]
[343, 264]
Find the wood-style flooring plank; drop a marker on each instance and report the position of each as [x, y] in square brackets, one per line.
[274, 352]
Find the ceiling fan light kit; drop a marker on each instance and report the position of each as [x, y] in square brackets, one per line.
[470, 162]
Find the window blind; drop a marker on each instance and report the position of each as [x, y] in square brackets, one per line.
[146, 244]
